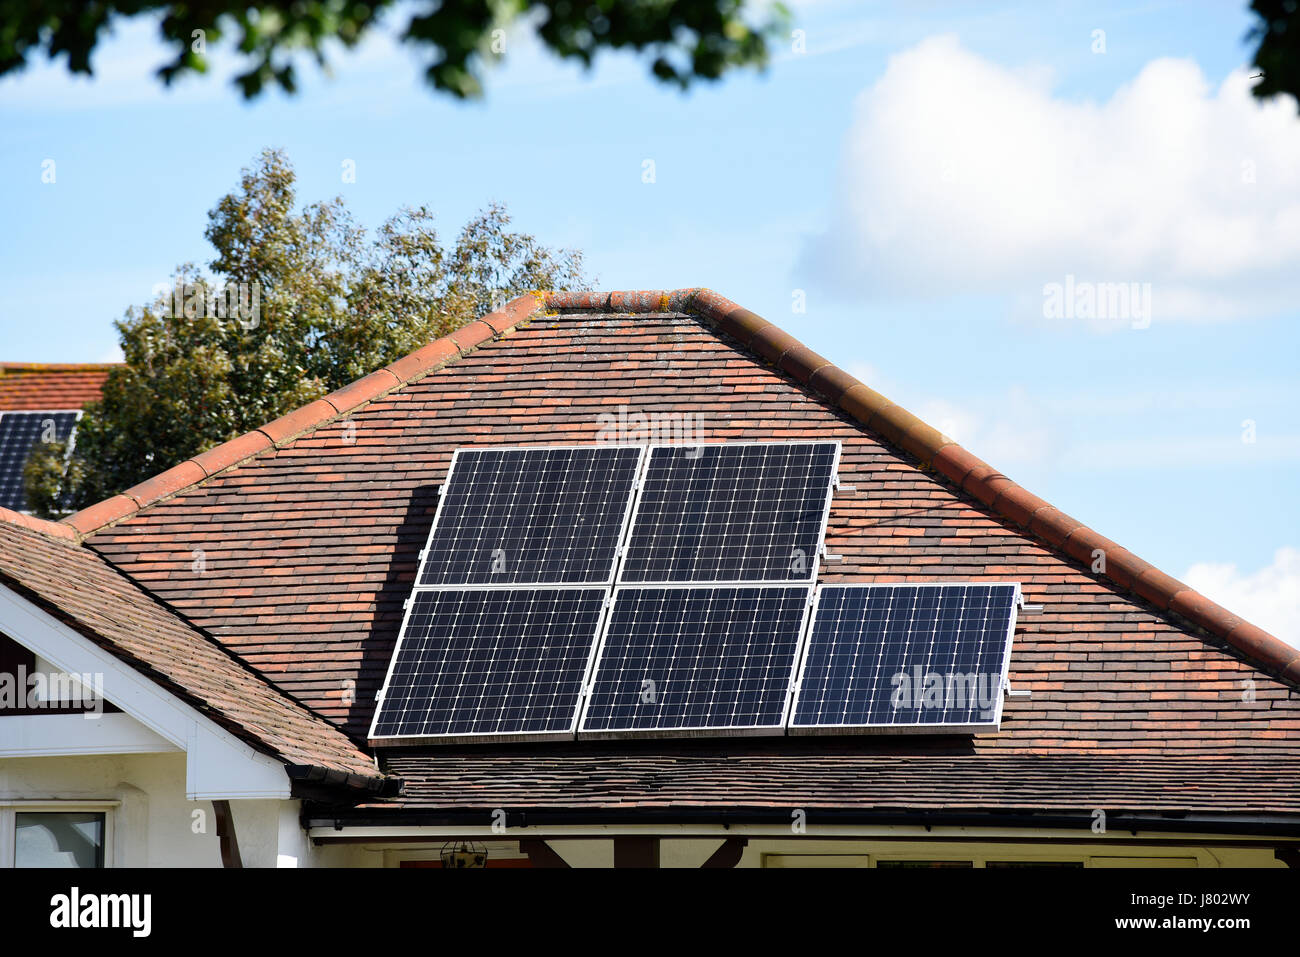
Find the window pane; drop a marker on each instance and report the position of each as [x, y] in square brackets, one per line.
[58, 839]
[924, 864]
[1033, 864]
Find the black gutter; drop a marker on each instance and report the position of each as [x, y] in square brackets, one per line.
[326, 785]
[1169, 822]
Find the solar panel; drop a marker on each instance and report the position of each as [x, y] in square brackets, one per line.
[19, 433]
[930, 658]
[539, 515]
[497, 662]
[694, 659]
[731, 513]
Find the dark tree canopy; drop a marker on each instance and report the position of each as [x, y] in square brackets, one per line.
[684, 39]
[296, 304]
[1278, 54]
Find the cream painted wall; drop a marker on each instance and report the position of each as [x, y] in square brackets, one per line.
[811, 852]
[153, 825]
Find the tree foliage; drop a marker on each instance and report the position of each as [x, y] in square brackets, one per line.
[296, 304]
[1278, 53]
[684, 39]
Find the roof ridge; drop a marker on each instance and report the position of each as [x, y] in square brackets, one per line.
[900, 428]
[44, 526]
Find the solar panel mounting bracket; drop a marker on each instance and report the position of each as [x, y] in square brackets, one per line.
[1013, 693]
[827, 556]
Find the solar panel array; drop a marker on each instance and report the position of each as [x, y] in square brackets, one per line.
[20, 432]
[906, 656]
[614, 590]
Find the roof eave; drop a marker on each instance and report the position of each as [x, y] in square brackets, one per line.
[1119, 821]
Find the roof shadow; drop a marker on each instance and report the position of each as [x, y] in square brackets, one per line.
[377, 647]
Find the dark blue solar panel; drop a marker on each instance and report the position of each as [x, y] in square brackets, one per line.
[697, 658]
[893, 656]
[490, 662]
[731, 513]
[19, 433]
[531, 516]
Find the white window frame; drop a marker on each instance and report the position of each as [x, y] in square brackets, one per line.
[8, 823]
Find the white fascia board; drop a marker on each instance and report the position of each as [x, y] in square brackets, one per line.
[218, 765]
[319, 831]
[40, 735]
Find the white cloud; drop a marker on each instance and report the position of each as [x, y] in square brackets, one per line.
[961, 176]
[1269, 597]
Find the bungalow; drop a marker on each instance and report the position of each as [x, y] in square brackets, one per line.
[247, 613]
[40, 402]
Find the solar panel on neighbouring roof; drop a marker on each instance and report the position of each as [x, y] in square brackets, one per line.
[681, 659]
[19, 434]
[734, 513]
[906, 657]
[539, 515]
[490, 662]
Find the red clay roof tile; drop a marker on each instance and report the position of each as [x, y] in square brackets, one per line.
[50, 387]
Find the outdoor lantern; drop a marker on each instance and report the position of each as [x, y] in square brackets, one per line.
[463, 854]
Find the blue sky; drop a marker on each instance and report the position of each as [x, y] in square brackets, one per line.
[917, 176]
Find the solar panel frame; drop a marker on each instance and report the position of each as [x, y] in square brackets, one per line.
[71, 438]
[814, 565]
[707, 731]
[994, 724]
[442, 499]
[476, 738]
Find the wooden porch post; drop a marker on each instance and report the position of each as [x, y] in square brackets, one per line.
[636, 852]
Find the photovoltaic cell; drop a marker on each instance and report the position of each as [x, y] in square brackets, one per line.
[19, 433]
[531, 516]
[697, 658]
[731, 513]
[490, 662]
[894, 656]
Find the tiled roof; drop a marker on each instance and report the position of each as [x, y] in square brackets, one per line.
[78, 587]
[311, 527]
[926, 447]
[50, 386]
[793, 774]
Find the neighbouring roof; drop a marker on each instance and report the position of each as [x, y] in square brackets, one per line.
[82, 590]
[311, 527]
[50, 387]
